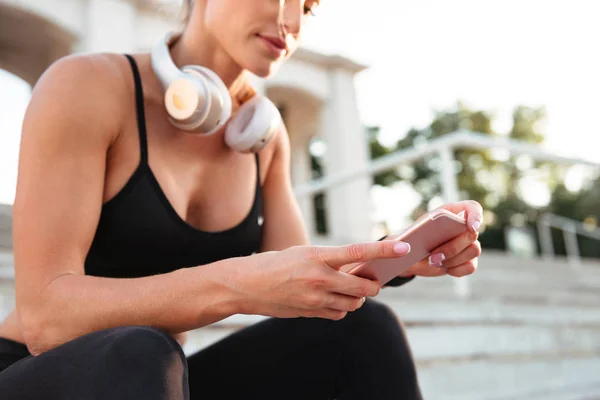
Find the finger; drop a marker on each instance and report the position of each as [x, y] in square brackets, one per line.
[451, 249]
[332, 301]
[422, 268]
[474, 216]
[338, 256]
[342, 302]
[354, 286]
[464, 269]
[474, 213]
[324, 313]
[469, 253]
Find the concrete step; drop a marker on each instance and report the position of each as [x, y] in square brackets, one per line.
[485, 288]
[492, 363]
[434, 342]
[491, 312]
[517, 329]
[567, 378]
[438, 343]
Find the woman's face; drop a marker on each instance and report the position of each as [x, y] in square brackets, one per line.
[249, 30]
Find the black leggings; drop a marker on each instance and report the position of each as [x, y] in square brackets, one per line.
[364, 356]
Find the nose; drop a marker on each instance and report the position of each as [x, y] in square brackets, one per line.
[291, 15]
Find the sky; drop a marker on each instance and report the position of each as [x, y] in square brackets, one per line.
[425, 55]
[491, 54]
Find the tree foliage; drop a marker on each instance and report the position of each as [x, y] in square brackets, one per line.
[491, 179]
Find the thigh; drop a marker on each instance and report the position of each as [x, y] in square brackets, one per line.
[115, 364]
[273, 359]
[365, 355]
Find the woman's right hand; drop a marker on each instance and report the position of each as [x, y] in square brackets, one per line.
[306, 281]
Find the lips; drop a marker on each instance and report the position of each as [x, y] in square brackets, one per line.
[275, 41]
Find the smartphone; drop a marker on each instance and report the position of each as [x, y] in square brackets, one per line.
[425, 235]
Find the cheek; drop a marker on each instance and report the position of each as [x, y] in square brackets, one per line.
[222, 19]
[227, 33]
[235, 40]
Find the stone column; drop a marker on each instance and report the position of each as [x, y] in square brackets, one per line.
[299, 119]
[348, 205]
[301, 173]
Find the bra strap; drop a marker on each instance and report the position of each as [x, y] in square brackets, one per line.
[139, 105]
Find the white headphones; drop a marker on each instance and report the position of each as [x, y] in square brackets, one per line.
[197, 100]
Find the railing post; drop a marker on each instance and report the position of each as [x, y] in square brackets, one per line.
[545, 235]
[571, 245]
[448, 175]
[450, 194]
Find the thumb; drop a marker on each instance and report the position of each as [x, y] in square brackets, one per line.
[338, 256]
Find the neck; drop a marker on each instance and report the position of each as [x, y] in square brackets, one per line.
[197, 48]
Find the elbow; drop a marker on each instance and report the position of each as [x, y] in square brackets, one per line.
[39, 329]
[41, 318]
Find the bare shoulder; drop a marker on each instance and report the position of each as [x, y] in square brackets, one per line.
[72, 120]
[82, 89]
[277, 152]
[284, 224]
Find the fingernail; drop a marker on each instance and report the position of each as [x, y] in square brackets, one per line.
[476, 226]
[402, 248]
[436, 260]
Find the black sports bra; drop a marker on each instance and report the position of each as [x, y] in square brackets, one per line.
[140, 233]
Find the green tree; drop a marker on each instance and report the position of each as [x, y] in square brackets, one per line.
[524, 128]
[480, 176]
[583, 205]
[378, 150]
[483, 177]
[424, 174]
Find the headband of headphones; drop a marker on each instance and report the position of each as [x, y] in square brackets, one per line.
[164, 67]
[196, 98]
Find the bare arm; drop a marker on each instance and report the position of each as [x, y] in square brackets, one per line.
[284, 226]
[73, 118]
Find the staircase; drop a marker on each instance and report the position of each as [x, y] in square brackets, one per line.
[529, 329]
[526, 329]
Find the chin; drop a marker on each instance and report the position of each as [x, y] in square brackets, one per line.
[260, 64]
[264, 69]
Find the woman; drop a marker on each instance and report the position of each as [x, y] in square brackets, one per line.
[128, 232]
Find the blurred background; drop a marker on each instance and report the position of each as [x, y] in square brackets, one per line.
[393, 108]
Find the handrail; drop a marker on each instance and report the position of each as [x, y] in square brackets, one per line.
[461, 138]
[571, 229]
[444, 147]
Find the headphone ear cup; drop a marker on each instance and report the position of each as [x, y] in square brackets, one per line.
[206, 99]
[254, 124]
[186, 101]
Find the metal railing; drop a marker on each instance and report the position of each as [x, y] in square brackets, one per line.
[444, 147]
[571, 229]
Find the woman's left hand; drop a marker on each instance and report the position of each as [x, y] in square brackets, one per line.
[458, 257]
